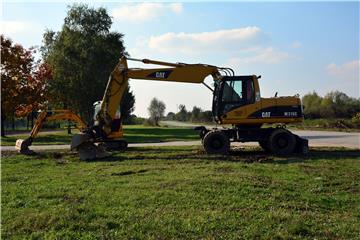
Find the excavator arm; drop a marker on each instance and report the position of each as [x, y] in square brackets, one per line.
[47, 116]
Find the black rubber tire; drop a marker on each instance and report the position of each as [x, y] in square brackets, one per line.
[281, 142]
[264, 145]
[216, 142]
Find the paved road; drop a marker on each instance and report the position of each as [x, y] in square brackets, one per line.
[316, 139]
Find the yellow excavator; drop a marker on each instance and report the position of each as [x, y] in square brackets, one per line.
[114, 141]
[236, 101]
[47, 116]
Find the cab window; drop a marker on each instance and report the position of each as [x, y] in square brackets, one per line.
[232, 92]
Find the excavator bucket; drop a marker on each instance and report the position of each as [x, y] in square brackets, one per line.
[23, 146]
[87, 149]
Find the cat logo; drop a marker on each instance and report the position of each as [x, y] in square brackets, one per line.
[265, 114]
[160, 74]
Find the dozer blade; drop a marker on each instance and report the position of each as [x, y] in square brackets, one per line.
[23, 146]
[86, 148]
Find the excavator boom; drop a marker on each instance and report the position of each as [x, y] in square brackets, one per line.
[118, 81]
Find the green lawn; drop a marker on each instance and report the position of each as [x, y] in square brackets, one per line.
[136, 133]
[182, 193]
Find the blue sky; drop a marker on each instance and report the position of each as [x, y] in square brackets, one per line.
[296, 47]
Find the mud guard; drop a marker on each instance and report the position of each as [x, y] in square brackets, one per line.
[202, 131]
[302, 145]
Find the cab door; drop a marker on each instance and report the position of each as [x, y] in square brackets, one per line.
[231, 93]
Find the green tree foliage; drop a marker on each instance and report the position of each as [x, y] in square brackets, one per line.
[311, 102]
[156, 110]
[196, 115]
[82, 56]
[170, 116]
[127, 105]
[182, 115]
[335, 104]
[356, 119]
[206, 116]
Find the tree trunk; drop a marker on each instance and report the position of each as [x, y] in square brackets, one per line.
[13, 123]
[3, 117]
[32, 119]
[69, 128]
[27, 122]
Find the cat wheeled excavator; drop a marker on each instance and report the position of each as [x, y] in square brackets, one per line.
[236, 101]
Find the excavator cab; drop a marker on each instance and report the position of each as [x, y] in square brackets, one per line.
[233, 92]
[116, 126]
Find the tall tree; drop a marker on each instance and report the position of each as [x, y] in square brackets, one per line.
[82, 55]
[23, 81]
[311, 102]
[182, 114]
[35, 93]
[156, 110]
[195, 114]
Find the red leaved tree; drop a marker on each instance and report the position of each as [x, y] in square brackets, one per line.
[23, 81]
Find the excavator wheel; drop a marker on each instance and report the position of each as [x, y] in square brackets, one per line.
[281, 142]
[264, 145]
[216, 142]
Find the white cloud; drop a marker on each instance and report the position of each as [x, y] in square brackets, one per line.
[268, 55]
[346, 71]
[204, 42]
[142, 12]
[345, 77]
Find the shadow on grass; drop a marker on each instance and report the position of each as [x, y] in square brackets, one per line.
[314, 154]
[326, 154]
[252, 155]
[194, 154]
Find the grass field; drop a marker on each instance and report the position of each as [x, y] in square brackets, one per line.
[182, 193]
[133, 133]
